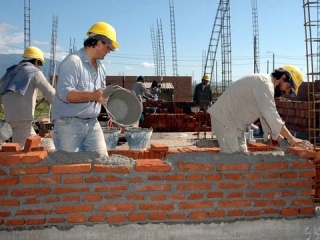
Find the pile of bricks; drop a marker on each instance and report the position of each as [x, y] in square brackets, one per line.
[295, 114]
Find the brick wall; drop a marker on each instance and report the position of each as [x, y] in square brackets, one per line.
[182, 85]
[187, 185]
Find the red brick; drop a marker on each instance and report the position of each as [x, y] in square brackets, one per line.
[32, 142]
[9, 202]
[15, 222]
[111, 188]
[135, 197]
[176, 216]
[195, 167]
[10, 147]
[161, 187]
[117, 207]
[97, 218]
[301, 152]
[134, 217]
[233, 167]
[116, 219]
[157, 216]
[36, 221]
[266, 185]
[30, 192]
[60, 190]
[34, 211]
[289, 212]
[74, 209]
[30, 179]
[34, 157]
[217, 214]
[72, 168]
[114, 169]
[30, 170]
[8, 181]
[271, 166]
[235, 213]
[31, 201]
[152, 165]
[73, 179]
[76, 218]
[234, 203]
[56, 220]
[176, 177]
[90, 197]
[10, 158]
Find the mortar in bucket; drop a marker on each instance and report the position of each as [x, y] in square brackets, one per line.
[111, 136]
[123, 106]
[138, 138]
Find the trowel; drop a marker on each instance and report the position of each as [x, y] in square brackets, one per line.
[108, 91]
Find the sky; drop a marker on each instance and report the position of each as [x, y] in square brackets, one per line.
[281, 32]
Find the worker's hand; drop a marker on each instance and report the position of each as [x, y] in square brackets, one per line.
[98, 96]
[300, 143]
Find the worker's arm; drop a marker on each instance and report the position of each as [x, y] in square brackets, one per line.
[285, 133]
[77, 96]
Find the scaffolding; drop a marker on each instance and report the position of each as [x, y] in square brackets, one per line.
[312, 40]
[221, 26]
[173, 40]
[161, 55]
[27, 35]
[155, 51]
[53, 50]
[255, 26]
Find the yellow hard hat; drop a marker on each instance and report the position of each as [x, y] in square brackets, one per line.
[296, 76]
[104, 29]
[33, 53]
[206, 77]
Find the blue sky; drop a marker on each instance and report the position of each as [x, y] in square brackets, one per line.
[281, 32]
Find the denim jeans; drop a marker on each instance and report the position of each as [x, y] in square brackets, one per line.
[73, 134]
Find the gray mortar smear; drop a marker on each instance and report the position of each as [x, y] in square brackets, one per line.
[62, 157]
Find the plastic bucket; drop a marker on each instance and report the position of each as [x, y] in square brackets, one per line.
[123, 107]
[138, 138]
[111, 136]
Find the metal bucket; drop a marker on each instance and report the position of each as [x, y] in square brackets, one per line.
[123, 106]
[138, 138]
[111, 136]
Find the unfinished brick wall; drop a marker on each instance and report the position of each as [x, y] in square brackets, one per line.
[188, 185]
[182, 84]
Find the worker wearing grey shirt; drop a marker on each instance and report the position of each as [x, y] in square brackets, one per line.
[250, 98]
[139, 89]
[19, 91]
[81, 81]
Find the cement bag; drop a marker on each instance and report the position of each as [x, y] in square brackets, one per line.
[123, 106]
[5, 130]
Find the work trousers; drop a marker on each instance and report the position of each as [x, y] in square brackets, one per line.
[21, 130]
[228, 137]
[72, 134]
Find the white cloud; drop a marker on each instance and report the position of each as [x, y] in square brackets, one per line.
[9, 37]
[36, 42]
[129, 68]
[147, 65]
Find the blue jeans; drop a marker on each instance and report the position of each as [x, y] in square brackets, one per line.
[73, 134]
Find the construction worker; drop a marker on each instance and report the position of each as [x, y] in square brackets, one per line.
[155, 90]
[202, 96]
[81, 82]
[140, 90]
[19, 91]
[248, 99]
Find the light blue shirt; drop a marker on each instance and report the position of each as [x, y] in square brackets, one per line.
[77, 73]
